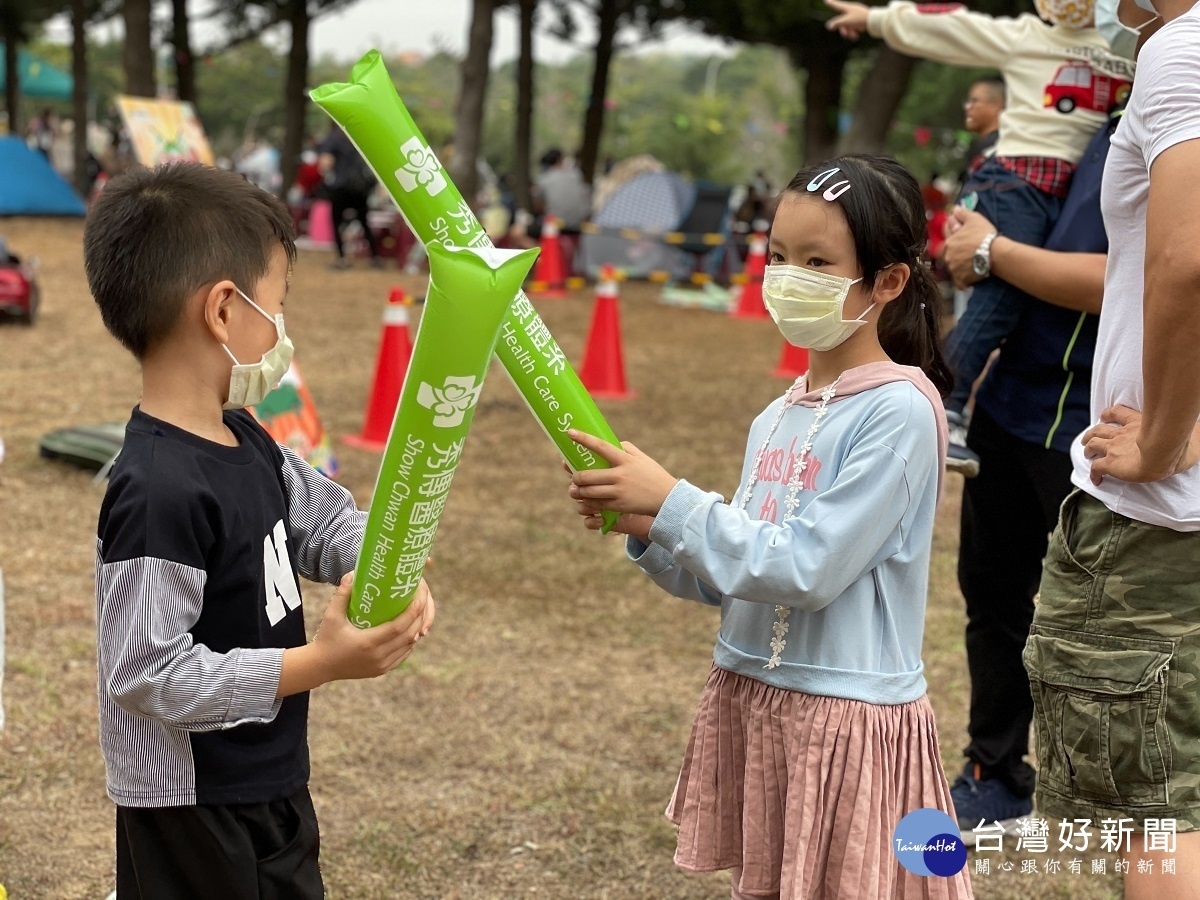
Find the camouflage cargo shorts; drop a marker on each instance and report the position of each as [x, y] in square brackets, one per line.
[1114, 665]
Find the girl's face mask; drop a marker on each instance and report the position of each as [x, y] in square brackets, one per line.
[808, 306]
[250, 383]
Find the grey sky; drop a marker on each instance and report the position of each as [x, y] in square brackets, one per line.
[423, 25]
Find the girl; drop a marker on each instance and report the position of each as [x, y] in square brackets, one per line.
[814, 736]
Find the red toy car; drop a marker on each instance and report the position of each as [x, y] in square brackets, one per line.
[19, 293]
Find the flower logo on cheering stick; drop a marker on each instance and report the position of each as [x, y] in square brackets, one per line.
[451, 401]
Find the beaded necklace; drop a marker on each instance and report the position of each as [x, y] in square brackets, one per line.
[780, 627]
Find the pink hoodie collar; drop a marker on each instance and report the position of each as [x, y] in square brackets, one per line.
[872, 375]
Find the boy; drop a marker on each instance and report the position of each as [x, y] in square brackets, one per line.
[1061, 80]
[204, 671]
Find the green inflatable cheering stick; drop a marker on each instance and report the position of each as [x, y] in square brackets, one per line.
[373, 116]
[469, 294]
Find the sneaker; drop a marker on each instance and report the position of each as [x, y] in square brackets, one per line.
[340, 264]
[978, 801]
[959, 457]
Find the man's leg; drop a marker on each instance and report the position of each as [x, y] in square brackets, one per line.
[1114, 658]
[360, 211]
[338, 205]
[1183, 883]
[1003, 539]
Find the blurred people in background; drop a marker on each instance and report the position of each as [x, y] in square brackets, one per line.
[349, 182]
[981, 117]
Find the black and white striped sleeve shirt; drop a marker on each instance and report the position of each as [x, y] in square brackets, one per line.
[198, 550]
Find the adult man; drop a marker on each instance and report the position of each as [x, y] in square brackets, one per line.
[1114, 651]
[349, 181]
[981, 116]
[1029, 409]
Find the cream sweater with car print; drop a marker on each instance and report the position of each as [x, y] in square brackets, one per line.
[1061, 82]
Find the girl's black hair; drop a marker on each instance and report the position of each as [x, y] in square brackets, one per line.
[886, 215]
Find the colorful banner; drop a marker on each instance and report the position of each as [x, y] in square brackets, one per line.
[164, 131]
[290, 416]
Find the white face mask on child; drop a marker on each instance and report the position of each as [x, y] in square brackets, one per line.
[807, 306]
[249, 383]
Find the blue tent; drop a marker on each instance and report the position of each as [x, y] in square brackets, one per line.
[30, 187]
[37, 78]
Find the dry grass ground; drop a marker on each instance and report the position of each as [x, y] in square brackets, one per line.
[530, 747]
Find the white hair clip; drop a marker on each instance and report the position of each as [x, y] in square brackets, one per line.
[833, 192]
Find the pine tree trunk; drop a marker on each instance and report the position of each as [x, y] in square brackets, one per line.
[185, 66]
[468, 128]
[823, 64]
[12, 76]
[607, 15]
[139, 50]
[879, 97]
[523, 163]
[79, 91]
[295, 99]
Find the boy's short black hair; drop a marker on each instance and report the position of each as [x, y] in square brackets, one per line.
[997, 85]
[156, 236]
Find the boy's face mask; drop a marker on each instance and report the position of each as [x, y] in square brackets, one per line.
[1073, 14]
[807, 306]
[250, 383]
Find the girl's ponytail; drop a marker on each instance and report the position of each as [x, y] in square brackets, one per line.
[909, 328]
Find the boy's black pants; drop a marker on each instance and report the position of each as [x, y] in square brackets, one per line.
[255, 851]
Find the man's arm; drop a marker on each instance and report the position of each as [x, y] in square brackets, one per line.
[1070, 280]
[1171, 311]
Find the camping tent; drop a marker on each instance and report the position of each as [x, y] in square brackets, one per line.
[651, 203]
[37, 78]
[30, 187]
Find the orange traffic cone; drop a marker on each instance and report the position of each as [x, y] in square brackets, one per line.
[550, 273]
[603, 370]
[793, 362]
[395, 353]
[750, 302]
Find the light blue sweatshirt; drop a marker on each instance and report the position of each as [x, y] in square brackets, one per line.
[852, 563]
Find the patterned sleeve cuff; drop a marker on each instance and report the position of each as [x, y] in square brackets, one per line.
[254, 698]
[683, 500]
[651, 558]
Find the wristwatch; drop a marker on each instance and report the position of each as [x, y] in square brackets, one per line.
[981, 262]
